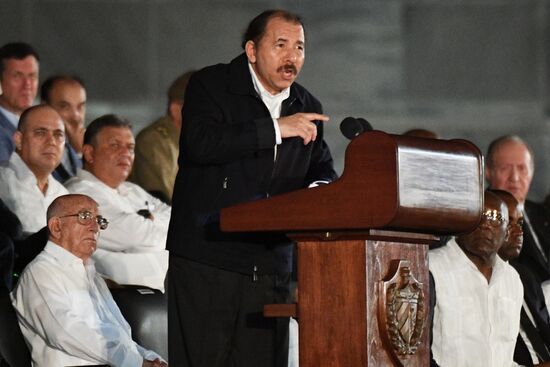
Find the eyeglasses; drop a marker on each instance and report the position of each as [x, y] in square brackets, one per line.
[493, 217]
[85, 217]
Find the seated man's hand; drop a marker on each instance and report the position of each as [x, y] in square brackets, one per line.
[300, 124]
[156, 363]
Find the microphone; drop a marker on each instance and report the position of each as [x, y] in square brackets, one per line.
[352, 127]
[366, 125]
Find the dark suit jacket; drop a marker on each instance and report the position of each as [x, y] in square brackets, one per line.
[227, 157]
[65, 171]
[534, 298]
[7, 146]
[10, 230]
[530, 256]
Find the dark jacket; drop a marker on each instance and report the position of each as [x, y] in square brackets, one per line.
[534, 298]
[227, 157]
[65, 171]
[7, 146]
[539, 217]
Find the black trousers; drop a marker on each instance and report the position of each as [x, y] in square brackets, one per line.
[215, 317]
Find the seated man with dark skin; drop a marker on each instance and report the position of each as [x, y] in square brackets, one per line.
[533, 342]
[65, 310]
[476, 296]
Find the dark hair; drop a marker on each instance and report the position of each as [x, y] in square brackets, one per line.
[110, 120]
[256, 28]
[49, 84]
[16, 50]
[495, 144]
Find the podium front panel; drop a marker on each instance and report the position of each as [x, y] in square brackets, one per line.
[339, 302]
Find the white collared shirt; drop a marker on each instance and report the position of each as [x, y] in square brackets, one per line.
[132, 248]
[68, 316]
[476, 323]
[272, 102]
[19, 191]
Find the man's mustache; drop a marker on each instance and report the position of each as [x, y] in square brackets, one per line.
[288, 67]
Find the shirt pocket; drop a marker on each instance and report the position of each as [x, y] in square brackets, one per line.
[506, 319]
[461, 317]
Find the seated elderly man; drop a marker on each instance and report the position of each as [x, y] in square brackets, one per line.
[26, 184]
[476, 296]
[65, 310]
[132, 249]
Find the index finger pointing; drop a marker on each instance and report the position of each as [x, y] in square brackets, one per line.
[316, 116]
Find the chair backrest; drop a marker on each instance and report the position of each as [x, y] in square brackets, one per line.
[6, 262]
[146, 310]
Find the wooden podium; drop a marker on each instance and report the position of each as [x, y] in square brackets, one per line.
[362, 244]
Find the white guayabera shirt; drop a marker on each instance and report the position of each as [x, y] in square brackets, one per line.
[132, 249]
[476, 323]
[20, 193]
[68, 316]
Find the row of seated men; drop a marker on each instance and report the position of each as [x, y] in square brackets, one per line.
[157, 145]
[52, 140]
[40, 143]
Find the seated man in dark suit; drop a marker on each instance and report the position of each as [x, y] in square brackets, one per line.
[533, 344]
[66, 94]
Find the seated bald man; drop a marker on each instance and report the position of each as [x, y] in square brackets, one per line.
[27, 186]
[476, 296]
[65, 310]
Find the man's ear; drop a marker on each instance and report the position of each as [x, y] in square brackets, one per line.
[175, 108]
[250, 49]
[88, 153]
[54, 227]
[17, 138]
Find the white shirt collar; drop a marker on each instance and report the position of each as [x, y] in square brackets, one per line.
[61, 254]
[22, 171]
[67, 258]
[87, 175]
[264, 94]
[498, 264]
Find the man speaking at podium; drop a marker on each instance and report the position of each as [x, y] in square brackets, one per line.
[250, 132]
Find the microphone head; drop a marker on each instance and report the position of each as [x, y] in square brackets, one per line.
[351, 127]
[366, 125]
